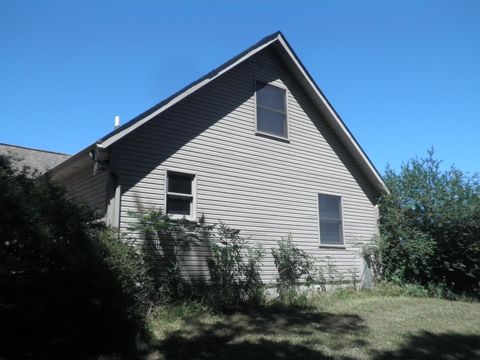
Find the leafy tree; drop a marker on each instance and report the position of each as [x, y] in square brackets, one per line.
[67, 284]
[430, 226]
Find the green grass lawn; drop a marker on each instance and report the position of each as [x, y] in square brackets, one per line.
[353, 326]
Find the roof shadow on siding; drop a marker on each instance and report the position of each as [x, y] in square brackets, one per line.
[144, 150]
[139, 154]
[156, 141]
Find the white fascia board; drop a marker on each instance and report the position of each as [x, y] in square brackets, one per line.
[68, 166]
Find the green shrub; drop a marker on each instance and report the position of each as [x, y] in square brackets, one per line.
[234, 269]
[234, 266]
[67, 284]
[372, 254]
[126, 276]
[430, 225]
[295, 267]
[163, 241]
[330, 273]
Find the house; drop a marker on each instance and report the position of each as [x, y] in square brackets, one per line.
[35, 161]
[255, 144]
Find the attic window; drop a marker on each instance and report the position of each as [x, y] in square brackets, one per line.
[180, 195]
[271, 110]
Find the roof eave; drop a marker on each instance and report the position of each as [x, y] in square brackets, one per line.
[69, 166]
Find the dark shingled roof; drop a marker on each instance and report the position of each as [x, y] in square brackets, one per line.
[41, 160]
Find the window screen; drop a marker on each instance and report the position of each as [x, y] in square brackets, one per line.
[180, 194]
[330, 214]
[271, 110]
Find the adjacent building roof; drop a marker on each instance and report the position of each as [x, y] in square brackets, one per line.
[34, 159]
[278, 42]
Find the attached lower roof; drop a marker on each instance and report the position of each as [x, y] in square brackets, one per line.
[37, 160]
[282, 47]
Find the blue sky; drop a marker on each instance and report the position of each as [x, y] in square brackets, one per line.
[404, 75]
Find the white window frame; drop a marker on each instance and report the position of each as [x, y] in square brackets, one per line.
[193, 206]
[338, 246]
[266, 134]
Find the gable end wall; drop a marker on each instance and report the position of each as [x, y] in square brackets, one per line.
[266, 188]
[90, 189]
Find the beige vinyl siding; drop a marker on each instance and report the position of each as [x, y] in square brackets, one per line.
[90, 189]
[266, 188]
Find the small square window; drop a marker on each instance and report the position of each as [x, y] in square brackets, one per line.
[271, 110]
[330, 217]
[180, 195]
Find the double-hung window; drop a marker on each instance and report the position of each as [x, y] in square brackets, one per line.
[271, 110]
[330, 217]
[180, 195]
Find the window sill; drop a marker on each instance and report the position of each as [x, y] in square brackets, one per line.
[274, 137]
[181, 217]
[325, 246]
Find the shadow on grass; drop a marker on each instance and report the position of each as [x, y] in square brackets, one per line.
[277, 332]
[264, 333]
[448, 346]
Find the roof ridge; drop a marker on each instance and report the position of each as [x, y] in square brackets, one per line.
[34, 149]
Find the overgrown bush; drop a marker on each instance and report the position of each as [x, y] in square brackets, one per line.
[122, 273]
[164, 240]
[372, 254]
[67, 284]
[235, 268]
[430, 225]
[295, 268]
